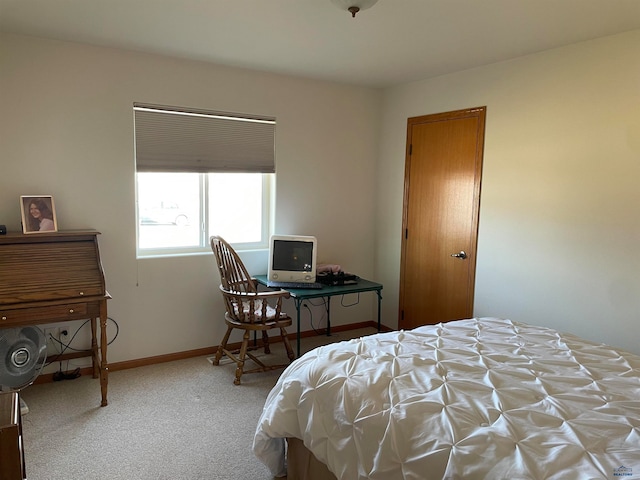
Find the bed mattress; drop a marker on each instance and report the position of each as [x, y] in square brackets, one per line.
[470, 399]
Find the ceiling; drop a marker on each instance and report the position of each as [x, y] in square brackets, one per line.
[394, 42]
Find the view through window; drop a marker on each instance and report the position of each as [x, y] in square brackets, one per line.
[180, 211]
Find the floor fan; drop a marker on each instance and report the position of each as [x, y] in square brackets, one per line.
[23, 351]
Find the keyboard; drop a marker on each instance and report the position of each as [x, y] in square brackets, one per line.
[287, 285]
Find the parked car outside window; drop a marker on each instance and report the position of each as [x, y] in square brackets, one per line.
[164, 213]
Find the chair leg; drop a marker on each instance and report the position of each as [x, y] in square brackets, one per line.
[222, 347]
[265, 342]
[287, 345]
[241, 357]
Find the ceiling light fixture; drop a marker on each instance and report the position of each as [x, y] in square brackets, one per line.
[354, 6]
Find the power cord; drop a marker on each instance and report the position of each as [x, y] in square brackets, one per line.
[324, 304]
[305, 305]
[57, 375]
[352, 304]
[62, 347]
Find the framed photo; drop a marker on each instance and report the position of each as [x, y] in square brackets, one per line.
[38, 214]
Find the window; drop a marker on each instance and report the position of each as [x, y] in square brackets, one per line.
[200, 174]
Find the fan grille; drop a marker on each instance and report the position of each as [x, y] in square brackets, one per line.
[22, 356]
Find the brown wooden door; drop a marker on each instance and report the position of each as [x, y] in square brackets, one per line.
[441, 205]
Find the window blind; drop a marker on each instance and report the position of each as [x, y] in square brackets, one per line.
[169, 139]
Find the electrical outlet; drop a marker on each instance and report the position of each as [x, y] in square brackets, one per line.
[64, 332]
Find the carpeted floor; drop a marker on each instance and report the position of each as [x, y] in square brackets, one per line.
[173, 421]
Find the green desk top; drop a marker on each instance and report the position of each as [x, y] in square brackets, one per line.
[328, 290]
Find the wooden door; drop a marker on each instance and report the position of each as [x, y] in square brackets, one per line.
[440, 218]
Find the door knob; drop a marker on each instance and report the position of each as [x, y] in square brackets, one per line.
[461, 255]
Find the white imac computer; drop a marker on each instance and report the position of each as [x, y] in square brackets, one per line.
[292, 259]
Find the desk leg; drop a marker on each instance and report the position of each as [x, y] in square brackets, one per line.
[95, 358]
[104, 367]
[328, 316]
[379, 292]
[298, 302]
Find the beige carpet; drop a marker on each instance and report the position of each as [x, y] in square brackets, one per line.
[177, 420]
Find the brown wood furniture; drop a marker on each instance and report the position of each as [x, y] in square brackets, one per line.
[247, 310]
[11, 447]
[56, 277]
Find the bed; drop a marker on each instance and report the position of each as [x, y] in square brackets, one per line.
[482, 398]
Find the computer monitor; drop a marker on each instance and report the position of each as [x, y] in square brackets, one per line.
[292, 258]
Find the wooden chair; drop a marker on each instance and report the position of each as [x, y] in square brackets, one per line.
[247, 310]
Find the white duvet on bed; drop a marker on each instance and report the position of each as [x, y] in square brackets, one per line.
[470, 399]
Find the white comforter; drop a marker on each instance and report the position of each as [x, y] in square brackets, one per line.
[471, 399]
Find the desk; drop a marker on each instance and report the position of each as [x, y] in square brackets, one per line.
[56, 277]
[299, 295]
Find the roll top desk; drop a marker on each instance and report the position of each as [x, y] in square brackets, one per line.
[56, 277]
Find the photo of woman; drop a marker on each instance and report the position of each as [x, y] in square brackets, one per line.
[38, 214]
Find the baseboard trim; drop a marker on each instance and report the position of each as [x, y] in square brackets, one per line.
[170, 357]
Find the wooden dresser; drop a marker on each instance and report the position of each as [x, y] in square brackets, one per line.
[56, 277]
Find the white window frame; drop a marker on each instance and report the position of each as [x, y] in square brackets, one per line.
[268, 181]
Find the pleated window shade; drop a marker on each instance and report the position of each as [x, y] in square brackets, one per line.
[169, 139]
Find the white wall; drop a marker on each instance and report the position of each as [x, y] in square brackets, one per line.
[560, 221]
[66, 129]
